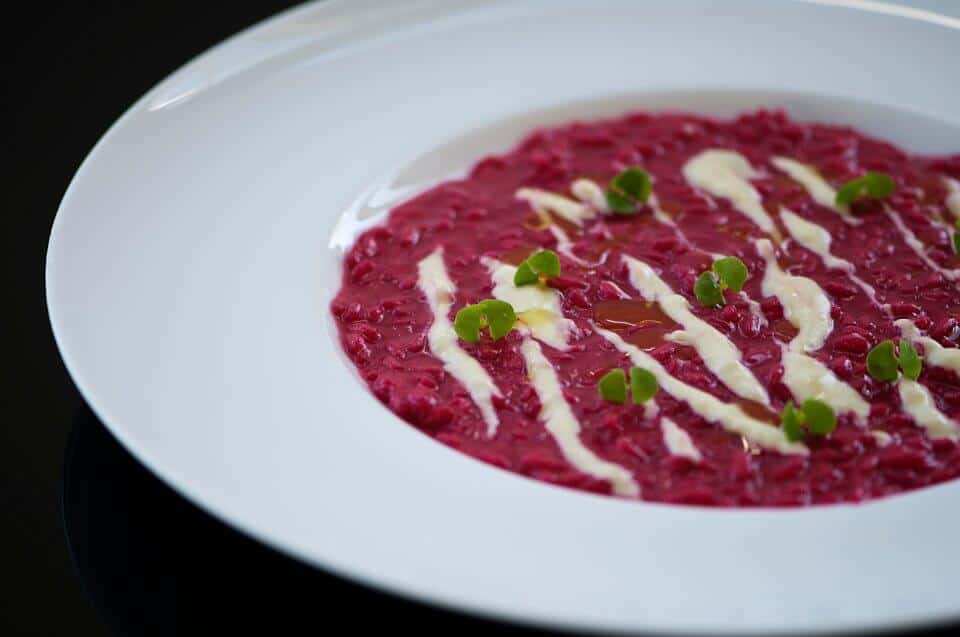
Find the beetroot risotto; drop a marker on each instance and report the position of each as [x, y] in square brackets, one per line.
[673, 308]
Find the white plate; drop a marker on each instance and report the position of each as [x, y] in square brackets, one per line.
[189, 276]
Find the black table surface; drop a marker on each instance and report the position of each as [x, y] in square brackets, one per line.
[90, 541]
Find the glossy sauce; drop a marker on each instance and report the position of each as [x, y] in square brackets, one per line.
[640, 323]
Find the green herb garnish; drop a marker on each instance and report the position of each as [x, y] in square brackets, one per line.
[525, 275]
[497, 316]
[726, 273]
[882, 362]
[813, 416]
[537, 267]
[629, 189]
[792, 422]
[707, 290]
[956, 237]
[643, 385]
[910, 361]
[613, 386]
[468, 322]
[819, 416]
[871, 184]
[732, 273]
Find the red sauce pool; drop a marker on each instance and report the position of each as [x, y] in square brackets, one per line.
[383, 317]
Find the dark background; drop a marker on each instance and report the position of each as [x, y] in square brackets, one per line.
[90, 542]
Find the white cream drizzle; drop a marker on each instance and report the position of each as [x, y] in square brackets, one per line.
[942, 225]
[537, 306]
[544, 201]
[661, 216]
[817, 240]
[815, 185]
[435, 283]
[755, 310]
[678, 441]
[725, 173]
[651, 287]
[953, 196]
[814, 238]
[651, 409]
[933, 352]
[708, 406]
[805, 304]
[718, 352]
[918, 404]
[806, 377]
[564, 245]
[807, 308]
[560, 422]
[882, 437]
[619, 290]
[917, 246]
[590, 193]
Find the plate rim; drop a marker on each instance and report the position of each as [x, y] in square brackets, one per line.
[224, 49]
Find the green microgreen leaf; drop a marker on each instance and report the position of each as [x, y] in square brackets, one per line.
[545, 263]
[910, 361]
[819, 417]
[468, 322]
[872, 184]
[881, 362]
[620, 204]
[498, 316]
[791, 422]
[629, 189]
[707, 290]
[634, 183]
[732, 273]
[613, 386]
[813, 416]
[524, 275]
[542, 265]
[643, 385]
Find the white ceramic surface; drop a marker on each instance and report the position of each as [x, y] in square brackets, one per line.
[189, 275]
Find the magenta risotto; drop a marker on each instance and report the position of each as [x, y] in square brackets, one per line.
[674, 308]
